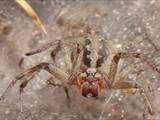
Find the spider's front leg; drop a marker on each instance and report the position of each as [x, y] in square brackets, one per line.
[121, 55]
[126, 85]
[55, 45]
[44, 47]
[58, 73]
[56, 48]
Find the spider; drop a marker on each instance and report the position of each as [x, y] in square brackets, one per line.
[84, 60]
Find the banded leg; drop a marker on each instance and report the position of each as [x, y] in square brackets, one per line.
[127, 86]
[24, 83]
[117, 57]
[45, 66]
[21, 87]
[56, 44]
[70, 57]
[44, 47]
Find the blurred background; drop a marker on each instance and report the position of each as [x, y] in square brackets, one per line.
[132, 25]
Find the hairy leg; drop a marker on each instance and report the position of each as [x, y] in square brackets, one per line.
[117, 57]
[111, 51]
[76, 56]
[29, 73]
[56, 44]
[76, 64]
[25, 82]
[56, 47]
[67, 59]
[140, 75]
[134, 86]
[44, 47]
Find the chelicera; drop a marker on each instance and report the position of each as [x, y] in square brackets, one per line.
[84, 60]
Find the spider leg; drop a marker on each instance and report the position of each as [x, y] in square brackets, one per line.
[126, 85]
[50, 81]
[118, 56]
[21, 62]
[56, 50]
[59, 74]
[44, 47]
[77, 64]
[77, 61]
[24, 83]
[123, 75]
[67, 96]
[134, 86]
[110, 51]
[67, 59]
[56, 44]
[21, 87]
[76, 57]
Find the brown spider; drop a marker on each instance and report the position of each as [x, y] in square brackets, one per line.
[85, 71]
[84, 60]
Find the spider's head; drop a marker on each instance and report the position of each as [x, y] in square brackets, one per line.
[90, 83]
